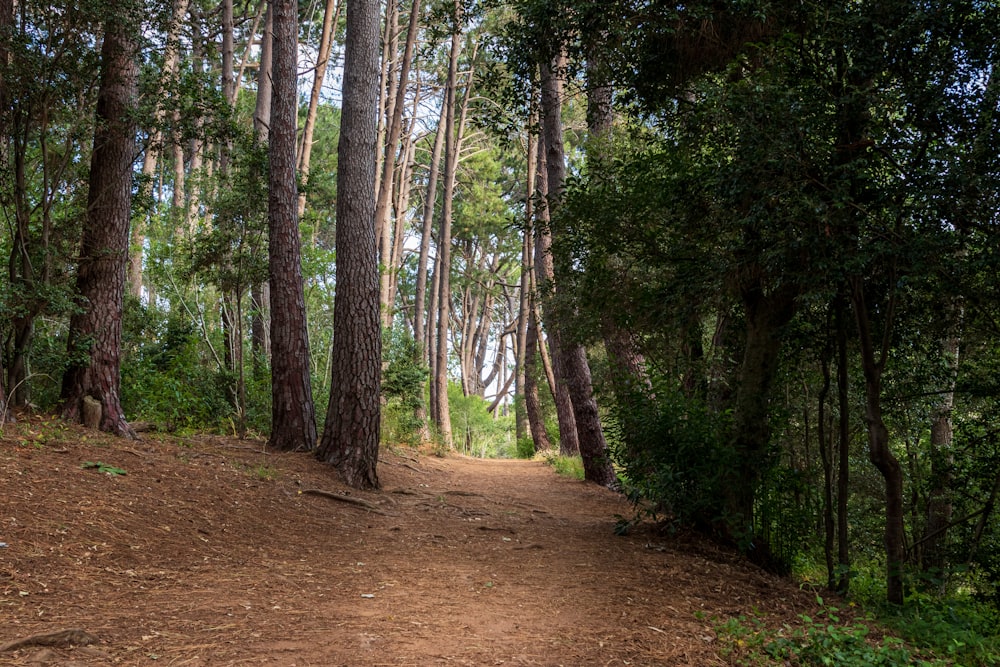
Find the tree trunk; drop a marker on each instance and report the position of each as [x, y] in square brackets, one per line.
[843, 451]
[171, 59]
[939, 504]
[873, 364]
[260, 293]
[351, 434]
[569, 441]
[767, 312]
[572, 356]
[293, 420]
[427, 227]
[228, 53]
[826, 459]
[422, 305]
[196, 145]
[432, 309]
[3, 397]
[94, 342]
[232, 297]
[521, 418]
[331, 17]
[401, 200]
[532, 403]
[389, 164]
[444, 236]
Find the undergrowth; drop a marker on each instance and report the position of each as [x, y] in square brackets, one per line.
[570, 466]
[957, 626]
[823, 639]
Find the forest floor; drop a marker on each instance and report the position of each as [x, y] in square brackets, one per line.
[210, 551]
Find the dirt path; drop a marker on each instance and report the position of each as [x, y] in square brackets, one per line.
[207, 552]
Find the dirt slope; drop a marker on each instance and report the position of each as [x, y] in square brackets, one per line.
[207, 552]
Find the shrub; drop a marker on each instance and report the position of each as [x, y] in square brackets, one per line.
[823, 640]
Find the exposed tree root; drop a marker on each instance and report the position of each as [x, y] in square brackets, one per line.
[62, 638]
[371, 507]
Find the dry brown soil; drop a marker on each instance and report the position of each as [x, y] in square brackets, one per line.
[210, 551]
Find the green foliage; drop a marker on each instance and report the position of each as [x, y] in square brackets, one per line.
[164, 378]
[475, 431]
[403, 379]
[823, 640]
[672, 454]
[568, 466]
[955, 626]
[525, 448]
[105, 468]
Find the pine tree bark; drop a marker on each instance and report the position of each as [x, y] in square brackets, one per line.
[293, 421]
[351, 434]
[94, 342]
[572, 356]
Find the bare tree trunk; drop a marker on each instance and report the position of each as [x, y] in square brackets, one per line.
[939, 504]
[522, 420]
[532, 404]
[873, 363]
[232, 298]
[826, 460]
[331, 16]
[767, 311]
[196, 145]
[572, 356]
[94, 345]
[387, 62]
[6, 23]
[228, 53]
[432, 310]
[569, 441]
[260, 293]
[444, 237]
[171, 59]
[351, 434]
[843, 450]
[389, 164]
[293, 420]
[265, 82]
[401, 201]
[430, 197]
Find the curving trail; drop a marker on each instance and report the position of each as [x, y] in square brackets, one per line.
[208, 553]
